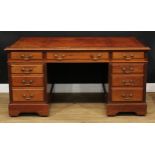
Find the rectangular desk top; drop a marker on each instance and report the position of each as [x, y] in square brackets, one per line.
[77, 43]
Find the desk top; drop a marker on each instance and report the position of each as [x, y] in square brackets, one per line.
[77, 43]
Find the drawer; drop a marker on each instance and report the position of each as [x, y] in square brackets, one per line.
[26, 56]
[27, 81]
[128, 68]
[27, 95]
[127, 80]
[127, 94]
[81, 55]
[26, 69]
[128, 55]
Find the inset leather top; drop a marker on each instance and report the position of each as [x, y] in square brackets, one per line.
[78, 43]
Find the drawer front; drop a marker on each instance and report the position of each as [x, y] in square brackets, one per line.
[27, 69]
[28, 95]
[28, 81]
[127, 80]
[94, 56]
[128, 68]
[128, 55]
[26, 56]
[127, 94]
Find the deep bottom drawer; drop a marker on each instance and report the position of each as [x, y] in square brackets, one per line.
[127, 94]
[28, 95]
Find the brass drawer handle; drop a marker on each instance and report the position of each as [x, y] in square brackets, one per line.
[26, 70]
[96, 57]
[59, 57]
[27, 83]
[128, 57]
[26, 57]
[28, 97]
[127, 96]
[128, 82]
[127, 70]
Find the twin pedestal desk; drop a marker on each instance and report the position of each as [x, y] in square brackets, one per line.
[126, 58]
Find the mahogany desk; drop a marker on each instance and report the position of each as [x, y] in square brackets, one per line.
[28, 57]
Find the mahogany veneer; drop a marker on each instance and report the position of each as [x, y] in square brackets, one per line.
[27, 59]
[27, 81]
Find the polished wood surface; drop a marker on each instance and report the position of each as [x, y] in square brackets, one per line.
[93, 55]
[31, 80]
[78, 43]
[128, 55]
[128, 68]
[127, 94]
[26, 68]
[127, 80]
[26, 56]
[28, 95]
[27, 59]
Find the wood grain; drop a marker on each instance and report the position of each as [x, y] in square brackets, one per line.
[128, 68]
[127, 95]
[28, 95]
[78, 43]
[128, 56]
[29, 81]
[26, 56]
[26, 68]
[68, 55]
[132, 80]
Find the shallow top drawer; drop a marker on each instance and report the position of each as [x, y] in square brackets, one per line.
[26, 55]
[78, 55]
[125, 55]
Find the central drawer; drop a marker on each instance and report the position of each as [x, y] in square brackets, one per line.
[27, 95]
[80, 55]
[29, 81]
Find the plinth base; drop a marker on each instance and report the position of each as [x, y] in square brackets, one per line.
[115, 108]
[17, 109]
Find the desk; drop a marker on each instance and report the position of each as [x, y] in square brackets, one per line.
[126, 58]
